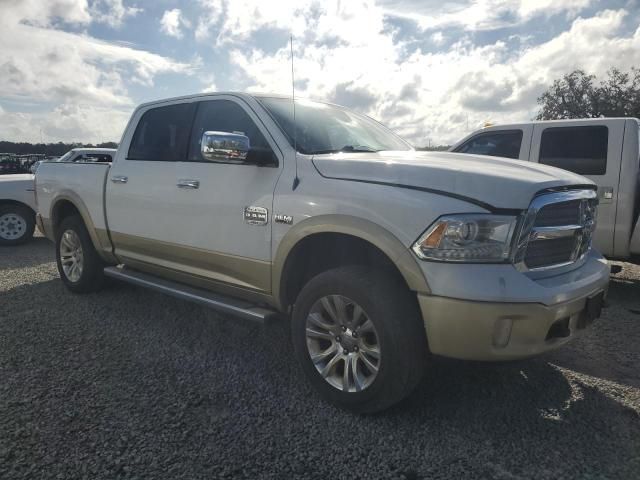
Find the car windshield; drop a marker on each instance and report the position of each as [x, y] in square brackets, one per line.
[324, 128]
[65, 157]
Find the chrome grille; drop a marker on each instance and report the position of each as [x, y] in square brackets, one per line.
[558, 214]
[557, 229]
[541, 253]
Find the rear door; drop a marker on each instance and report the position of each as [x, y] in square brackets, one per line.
[592, 149]
[141, 188]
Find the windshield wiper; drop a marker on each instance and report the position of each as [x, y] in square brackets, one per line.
[347, 148]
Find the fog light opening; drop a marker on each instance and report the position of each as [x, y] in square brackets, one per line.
[559, 329]
[502, 332]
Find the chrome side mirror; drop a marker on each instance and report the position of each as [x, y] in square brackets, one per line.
[224, 147]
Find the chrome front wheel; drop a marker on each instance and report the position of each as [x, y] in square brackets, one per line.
[343, 343]
[71, 255]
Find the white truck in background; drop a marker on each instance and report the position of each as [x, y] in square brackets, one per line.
[605, 150]
[17, 209]
[17, 195]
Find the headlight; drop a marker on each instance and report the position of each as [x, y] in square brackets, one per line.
[467, 238]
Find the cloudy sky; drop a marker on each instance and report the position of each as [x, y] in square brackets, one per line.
[73, 70]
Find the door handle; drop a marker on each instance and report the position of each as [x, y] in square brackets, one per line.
[186, 183]
[119, 179]
[606, 193]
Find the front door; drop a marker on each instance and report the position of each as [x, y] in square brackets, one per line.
[224, 209]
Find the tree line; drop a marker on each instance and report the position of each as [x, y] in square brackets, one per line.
[579, 95]
[49, 149]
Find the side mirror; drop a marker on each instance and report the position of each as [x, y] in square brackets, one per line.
[224, 147]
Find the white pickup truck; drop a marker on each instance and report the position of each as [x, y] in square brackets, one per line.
[17, 197]
[379, 254]
[17, 209]
[605, 150]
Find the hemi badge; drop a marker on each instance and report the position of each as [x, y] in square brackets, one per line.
[280, 218]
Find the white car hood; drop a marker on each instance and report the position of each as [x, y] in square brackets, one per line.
[17, 178]
[497, 182]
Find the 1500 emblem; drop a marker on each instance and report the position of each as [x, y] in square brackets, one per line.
[256, 215]
[280, 218]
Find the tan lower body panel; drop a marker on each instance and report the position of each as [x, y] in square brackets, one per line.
[476, 330]
[246, 273]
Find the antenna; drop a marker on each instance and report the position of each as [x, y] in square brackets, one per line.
[296, 180]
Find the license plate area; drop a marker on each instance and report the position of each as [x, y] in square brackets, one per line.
[592, 310]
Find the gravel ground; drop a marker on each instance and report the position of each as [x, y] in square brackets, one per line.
[128, 383]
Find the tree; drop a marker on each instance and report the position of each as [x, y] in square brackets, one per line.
[50, 149]
[576, 95]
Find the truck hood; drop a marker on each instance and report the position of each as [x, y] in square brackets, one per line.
[493, 181]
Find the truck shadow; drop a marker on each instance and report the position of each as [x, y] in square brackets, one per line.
[609, 349]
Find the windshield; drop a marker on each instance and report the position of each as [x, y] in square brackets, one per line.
[324, 128]
[65, 157]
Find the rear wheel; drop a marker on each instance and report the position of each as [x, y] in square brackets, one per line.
[359, 337]
[79, 265]
[17, 224]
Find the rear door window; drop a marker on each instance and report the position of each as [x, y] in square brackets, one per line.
[581, 150]
[505, 143]
[162, 134]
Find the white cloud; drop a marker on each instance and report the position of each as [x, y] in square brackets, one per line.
[112, 12]
[424, 95]
[172, 22]
[479, 14]
[75, 73]
[37, 12]
[345, 52]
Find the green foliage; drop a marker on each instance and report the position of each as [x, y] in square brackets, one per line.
[576, 95]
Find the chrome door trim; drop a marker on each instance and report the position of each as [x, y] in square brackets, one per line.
[188, 183]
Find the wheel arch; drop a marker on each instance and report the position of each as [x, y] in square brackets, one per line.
[324, 232]
[68, 204]
[10, 201]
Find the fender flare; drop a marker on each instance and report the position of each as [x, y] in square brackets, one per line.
[99, 238]
[385, 241]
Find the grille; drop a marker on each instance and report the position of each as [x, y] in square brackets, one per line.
[541, 253]
[558, 229]
[559, 214]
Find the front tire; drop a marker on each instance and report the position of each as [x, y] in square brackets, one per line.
[17, 224]
[359, 337]
[79, 265]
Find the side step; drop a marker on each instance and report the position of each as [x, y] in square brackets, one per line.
[215, 301]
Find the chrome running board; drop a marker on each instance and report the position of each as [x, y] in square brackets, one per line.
[221, 303]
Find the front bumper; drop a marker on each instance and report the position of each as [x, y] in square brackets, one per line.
[518, 324]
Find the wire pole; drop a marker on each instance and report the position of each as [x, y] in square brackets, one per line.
[296, 180]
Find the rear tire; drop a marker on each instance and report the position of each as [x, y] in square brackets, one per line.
[17, 224]
[379, 338]
[79, 265]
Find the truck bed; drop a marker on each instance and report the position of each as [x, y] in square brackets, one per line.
[81, 183]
